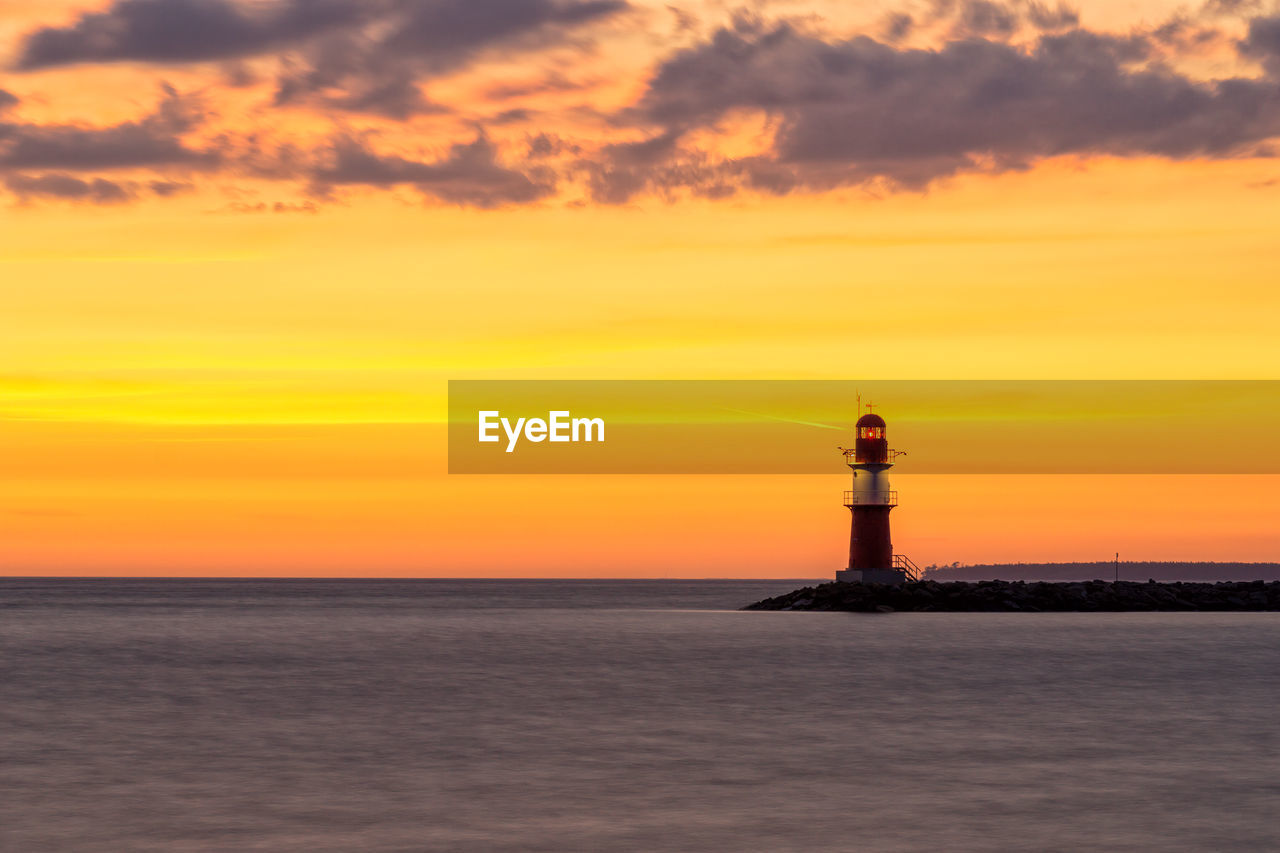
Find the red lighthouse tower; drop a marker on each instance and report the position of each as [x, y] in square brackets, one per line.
[871, 557]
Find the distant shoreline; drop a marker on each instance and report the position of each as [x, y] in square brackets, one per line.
[1022, 597]
[1158, 570]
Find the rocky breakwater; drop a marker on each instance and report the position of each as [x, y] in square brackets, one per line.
[1022, 597]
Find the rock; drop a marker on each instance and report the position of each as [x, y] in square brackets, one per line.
[1039, 597]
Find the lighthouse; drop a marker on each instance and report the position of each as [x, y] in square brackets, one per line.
[871, 557]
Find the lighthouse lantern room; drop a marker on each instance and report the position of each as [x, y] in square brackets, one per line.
[871, 557]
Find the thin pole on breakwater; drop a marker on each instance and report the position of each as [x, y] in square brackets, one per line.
[1117, 567]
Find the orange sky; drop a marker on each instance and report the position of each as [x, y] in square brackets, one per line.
[192, 385]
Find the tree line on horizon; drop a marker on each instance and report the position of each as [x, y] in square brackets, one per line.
[1159, 570]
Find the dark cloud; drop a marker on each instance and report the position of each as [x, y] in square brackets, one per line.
[1058, 17]
[347, 73]
[685, 20]
[67, 188]
[92, 189]
[274, 207]
[129, 145]
[238, 75]
[550, 145]
[1185, 36]
[356, 55]
[1014, 82]
[396, 97]
[993, 19]
[180, 31]
[1263, 43]
[167, 189]
[657, 163]
[379, 73]
[512, 116]
[898, 26]
[982, 17]
[858, 110]
[448, 32]
[154, 141]
[695, 173]
[1214, 8]
[553, 82]
[471, 174]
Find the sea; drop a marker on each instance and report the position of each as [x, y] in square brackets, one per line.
[549, 716]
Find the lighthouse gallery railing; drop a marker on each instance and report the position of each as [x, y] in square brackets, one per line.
[871, 498]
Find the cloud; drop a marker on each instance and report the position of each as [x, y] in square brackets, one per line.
[1056, 17]
[184, 31]
[897, 26]
[274, 207]
[349, 73]
[555, 82]
[375, 87]
[355, 55]
[858, 110]
[94, 189]
[1007, 83]
[448, 32]
[982, 17]
[1217, 8]
[1263, 43]
[470, 174]
[379, 73]
[167, 189]
[550, 145]
[67, 188]
[151, 142]
[999, 19]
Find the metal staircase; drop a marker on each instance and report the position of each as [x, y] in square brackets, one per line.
[903, 563]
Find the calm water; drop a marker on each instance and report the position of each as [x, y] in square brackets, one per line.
[620, 716]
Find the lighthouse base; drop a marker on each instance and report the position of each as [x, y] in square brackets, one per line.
[892, 576]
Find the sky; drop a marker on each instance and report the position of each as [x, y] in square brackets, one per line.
[245, 245]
